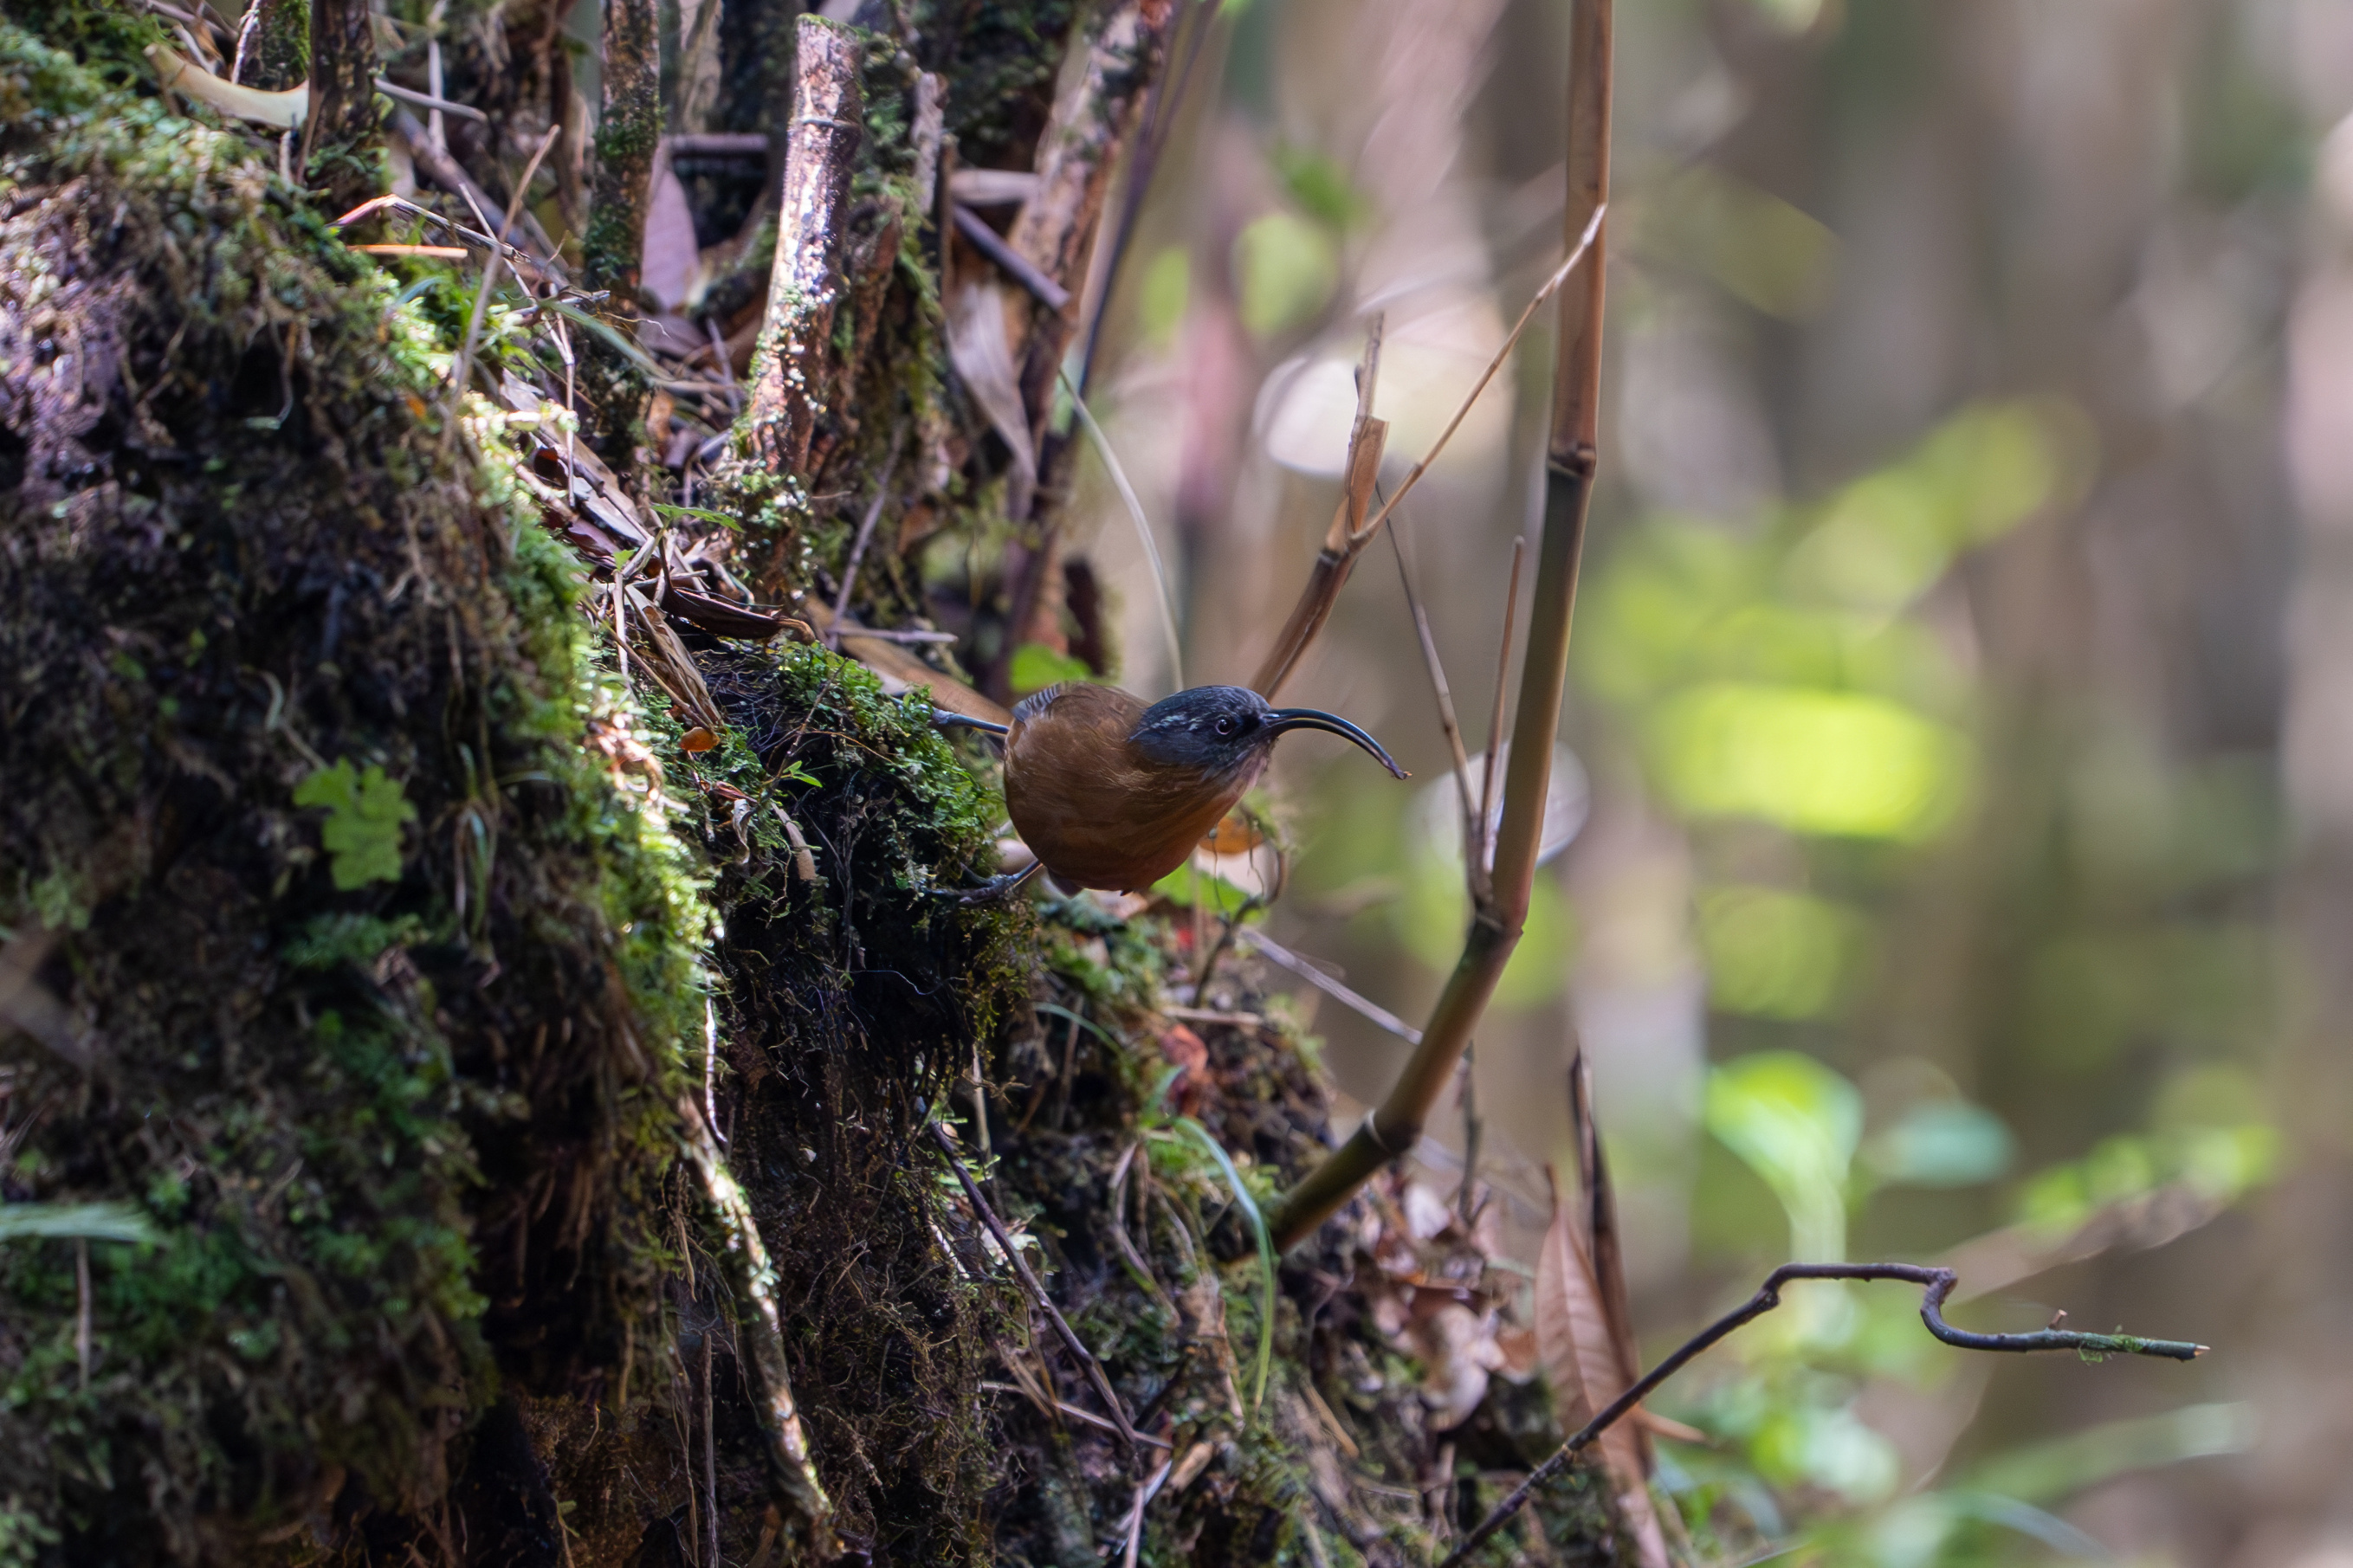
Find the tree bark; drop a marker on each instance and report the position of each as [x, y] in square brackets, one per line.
[628, 130]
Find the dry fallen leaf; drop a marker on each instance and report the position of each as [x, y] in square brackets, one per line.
[982, 353]
[1581, 1363]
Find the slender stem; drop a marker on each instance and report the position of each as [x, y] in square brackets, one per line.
[1347, 535]
[1479, 867]
[1112, 466]
[1017, 267]
[1937, 1286]
[1447, 722]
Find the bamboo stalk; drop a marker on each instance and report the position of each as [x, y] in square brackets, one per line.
[1497, 920]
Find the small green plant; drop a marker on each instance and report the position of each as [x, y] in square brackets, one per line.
[364, 814]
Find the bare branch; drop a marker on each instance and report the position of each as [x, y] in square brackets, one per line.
[753, 1281]
[1938, 1285]
[797, 338]
[1017, 267]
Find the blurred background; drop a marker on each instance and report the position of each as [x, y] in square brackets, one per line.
[1962, 705]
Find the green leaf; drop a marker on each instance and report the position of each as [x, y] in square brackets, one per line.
[1248, 1205]
[705, 513]
[1037, 666]
[90, 1222]
[1195, 889]
[364, 814]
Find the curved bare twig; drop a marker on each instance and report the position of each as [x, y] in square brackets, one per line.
[1938, 1284]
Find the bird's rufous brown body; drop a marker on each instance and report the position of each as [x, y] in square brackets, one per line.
[1108, 793]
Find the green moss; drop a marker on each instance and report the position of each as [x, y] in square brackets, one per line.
[348, 1104]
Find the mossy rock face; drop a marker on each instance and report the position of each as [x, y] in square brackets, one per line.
[368, 985]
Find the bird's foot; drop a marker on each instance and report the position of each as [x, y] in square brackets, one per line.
[995, 889]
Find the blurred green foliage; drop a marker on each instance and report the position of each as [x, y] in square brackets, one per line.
[1285, 269]
[1793, 689]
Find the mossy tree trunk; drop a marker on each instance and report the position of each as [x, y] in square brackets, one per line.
[463, 1078]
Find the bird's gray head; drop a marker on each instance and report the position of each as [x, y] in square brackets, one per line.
[1225, 729]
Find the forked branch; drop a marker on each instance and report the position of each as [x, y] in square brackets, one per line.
[1937, 1285]
[1497, 919]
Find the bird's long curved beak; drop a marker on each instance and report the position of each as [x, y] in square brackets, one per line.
[1332, 724]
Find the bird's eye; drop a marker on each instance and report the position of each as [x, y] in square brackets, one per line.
[1225, 726]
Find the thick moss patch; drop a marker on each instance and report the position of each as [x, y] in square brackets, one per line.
[379, 983]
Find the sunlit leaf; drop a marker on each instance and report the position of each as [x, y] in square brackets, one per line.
[1037, 666]
[1882, 543]
[1830, 1447]
[1189, 888]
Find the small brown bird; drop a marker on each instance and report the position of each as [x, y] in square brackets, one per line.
[1110, 794]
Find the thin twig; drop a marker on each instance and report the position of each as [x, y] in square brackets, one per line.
[1479, 867]
[1015, 265]
[1937, 1285]
[1447, 722]
[1370, 1010]
[432, 102]
[1466, 1196]
[1076, 1413]
[1022, 1270]
[1135, 1260]
[1144, 1493]
[1551, 286]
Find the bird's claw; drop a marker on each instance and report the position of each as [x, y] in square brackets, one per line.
[996, 888]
